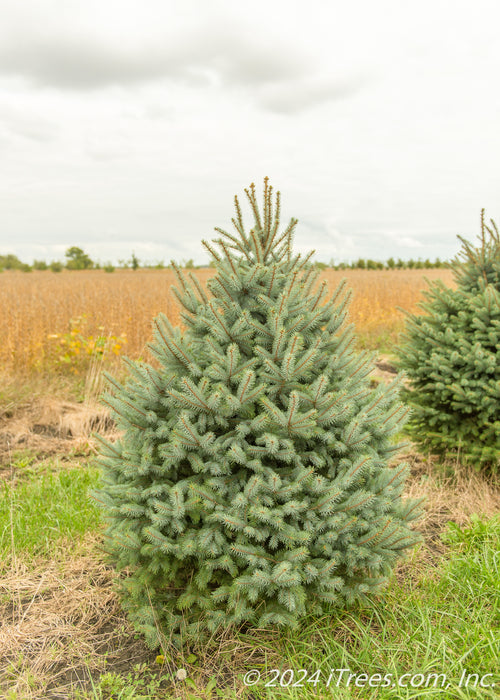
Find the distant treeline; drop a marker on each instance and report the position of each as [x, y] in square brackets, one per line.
[77, 259]
[389, 264]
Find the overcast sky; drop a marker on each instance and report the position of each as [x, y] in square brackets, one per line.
[130, 125]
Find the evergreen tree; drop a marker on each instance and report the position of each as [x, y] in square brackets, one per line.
[252, 483]
[451, 354]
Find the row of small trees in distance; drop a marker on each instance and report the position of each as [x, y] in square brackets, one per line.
[389, 264]
[77, 259]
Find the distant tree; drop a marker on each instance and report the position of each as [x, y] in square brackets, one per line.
[360, 264]
[134, 262]
[419, 265]
[77, 259]
[410, 264]
[320, 265]
[400, 264]
[56, 266]
[24, 267]
[108, 267]
[391, 264]
[40, 265]
[10, 262]
[160, 265]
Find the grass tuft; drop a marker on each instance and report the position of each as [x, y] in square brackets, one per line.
[36, 514]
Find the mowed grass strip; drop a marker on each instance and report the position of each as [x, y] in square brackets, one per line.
[36, 514]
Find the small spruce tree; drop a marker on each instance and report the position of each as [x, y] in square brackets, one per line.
[252, 483]
[451, 353]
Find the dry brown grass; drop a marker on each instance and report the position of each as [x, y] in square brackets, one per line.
[61, 624]
[48, 426]
[39, 305]
[377, 294]
[452, 493]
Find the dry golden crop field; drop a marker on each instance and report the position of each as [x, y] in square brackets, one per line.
[50, 320]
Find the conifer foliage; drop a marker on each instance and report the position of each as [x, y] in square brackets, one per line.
[252, 483]
[452, 355]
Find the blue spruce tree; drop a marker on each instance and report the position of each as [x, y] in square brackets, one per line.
[451, 353]
[252, 483]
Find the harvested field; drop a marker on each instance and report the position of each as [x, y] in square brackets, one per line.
[53, 320]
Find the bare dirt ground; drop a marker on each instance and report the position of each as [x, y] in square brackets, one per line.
[49, 426]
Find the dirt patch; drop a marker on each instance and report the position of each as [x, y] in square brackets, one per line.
[385, 371]
[452, 494]
[49, 426]
[385, 367]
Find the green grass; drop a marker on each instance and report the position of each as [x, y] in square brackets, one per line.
[36, 514]
[448, 623]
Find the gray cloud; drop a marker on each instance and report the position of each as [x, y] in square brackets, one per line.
[85, 62]
[279, 77]
[79, 64]
[290, 97]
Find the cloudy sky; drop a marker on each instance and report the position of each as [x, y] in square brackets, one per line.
[129, 125]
